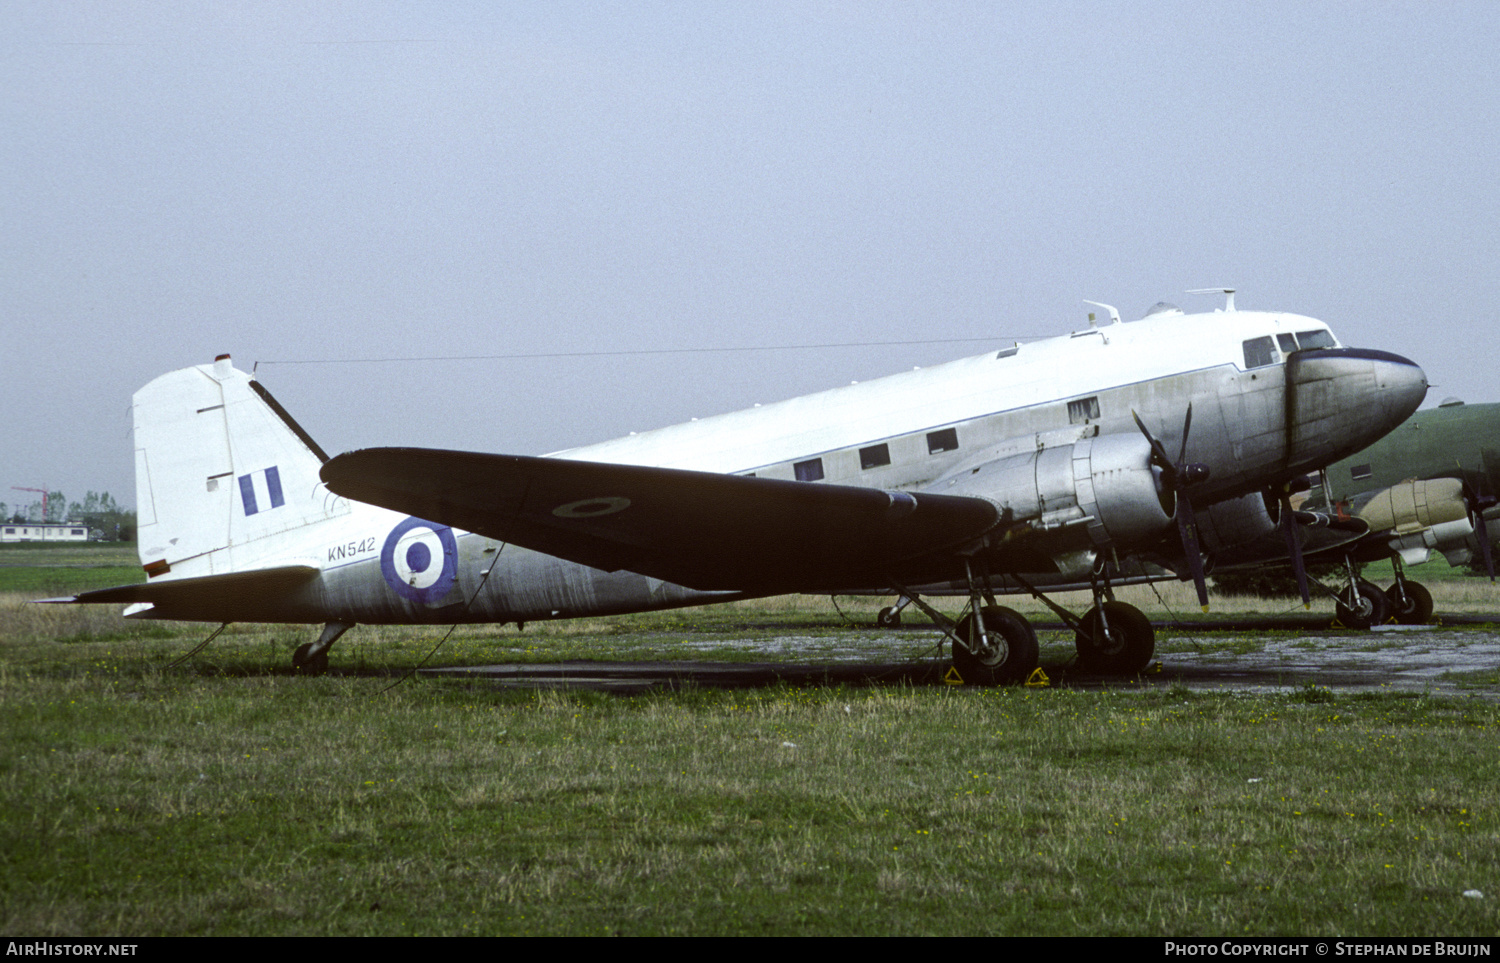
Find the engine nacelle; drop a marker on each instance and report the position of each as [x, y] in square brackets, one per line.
[1106, 483]
[1423, 517]
[1237, 521]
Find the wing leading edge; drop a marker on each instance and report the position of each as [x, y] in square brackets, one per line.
[697, 529]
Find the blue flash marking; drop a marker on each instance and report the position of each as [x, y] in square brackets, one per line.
[247, 494]
[273, 486]
[269, 484]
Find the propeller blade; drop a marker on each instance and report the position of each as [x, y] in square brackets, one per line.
[1482, 530]
[1294, 546]
[1187, 528]
[1187, 423]
[1176, 477]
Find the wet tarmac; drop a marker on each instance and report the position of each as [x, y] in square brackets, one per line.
[1460, 658]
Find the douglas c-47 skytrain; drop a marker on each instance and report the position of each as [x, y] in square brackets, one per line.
[1168, 440]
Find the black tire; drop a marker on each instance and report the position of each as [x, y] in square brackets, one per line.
[309, 665]
[1014, 664]
[1125, 649]
[1414, 609]
[889, 618]
[1366, 608]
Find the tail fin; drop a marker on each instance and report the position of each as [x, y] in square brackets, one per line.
[224, 477]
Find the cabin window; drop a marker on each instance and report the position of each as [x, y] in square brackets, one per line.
[810, 470]
[1287, 342]
[1259, 352]
[1084, 410]
[1359, 472]
[1314, 339]
[874, 456]
[941, 441]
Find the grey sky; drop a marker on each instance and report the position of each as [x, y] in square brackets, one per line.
[290, 182]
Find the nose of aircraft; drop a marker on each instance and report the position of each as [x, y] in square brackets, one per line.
[1343, 399]
[1402, 385]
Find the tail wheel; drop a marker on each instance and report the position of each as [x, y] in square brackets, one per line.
[889, 618]
[1362, 608]
[1118, 640]
[305, 662]
[1412, 607]
[1012, 652]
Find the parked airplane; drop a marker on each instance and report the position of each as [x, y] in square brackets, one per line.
[1049, 458]
[1424, 488]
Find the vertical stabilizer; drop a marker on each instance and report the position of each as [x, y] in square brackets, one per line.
[225, 479]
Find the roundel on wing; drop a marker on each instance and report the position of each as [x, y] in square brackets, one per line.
[592, 507]
[419, 560]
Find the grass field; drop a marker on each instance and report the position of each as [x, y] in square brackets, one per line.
[229, 796]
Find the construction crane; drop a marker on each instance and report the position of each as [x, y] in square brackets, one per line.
[46, 516]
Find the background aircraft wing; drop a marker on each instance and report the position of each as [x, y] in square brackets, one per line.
[698, 529]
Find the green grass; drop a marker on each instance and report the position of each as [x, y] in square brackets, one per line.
[230, 797]
[63, 568]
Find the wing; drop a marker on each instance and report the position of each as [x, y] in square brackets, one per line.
[698, 529]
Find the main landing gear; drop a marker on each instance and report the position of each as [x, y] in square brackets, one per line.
[1362, 605]
[999, 646]
[312, 658]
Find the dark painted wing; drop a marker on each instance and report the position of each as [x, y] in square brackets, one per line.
[702, 530]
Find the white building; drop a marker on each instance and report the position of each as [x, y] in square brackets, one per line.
[44, 532]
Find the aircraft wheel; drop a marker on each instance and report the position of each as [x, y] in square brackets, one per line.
[1364, 609]
[889, 618]
[1415, 609]
[1012, 655]
[309, 664]
[1125, 649]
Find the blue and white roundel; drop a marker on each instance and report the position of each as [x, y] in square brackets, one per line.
[420, 560]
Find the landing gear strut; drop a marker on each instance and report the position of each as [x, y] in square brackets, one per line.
[890, 616]
[1408, 602]
[1004, 652]
[1115, 639]
[1360, 605]
[312, 658]
[996, 648]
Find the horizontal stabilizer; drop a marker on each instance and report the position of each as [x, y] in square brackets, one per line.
[698, 529]
[231, 597]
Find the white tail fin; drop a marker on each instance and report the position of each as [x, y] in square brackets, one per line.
[225, 480]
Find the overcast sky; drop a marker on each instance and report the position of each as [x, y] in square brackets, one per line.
[332, 182]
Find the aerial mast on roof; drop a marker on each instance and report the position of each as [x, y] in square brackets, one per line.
[1229, 292]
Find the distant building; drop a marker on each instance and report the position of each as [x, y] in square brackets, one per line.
[44, 532]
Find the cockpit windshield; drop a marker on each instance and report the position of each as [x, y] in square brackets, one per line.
[1260, 352]
[1315, 339]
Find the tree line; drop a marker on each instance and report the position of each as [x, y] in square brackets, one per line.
[105, 518]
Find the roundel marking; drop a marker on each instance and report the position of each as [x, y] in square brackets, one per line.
[419, 560]
[592, 507]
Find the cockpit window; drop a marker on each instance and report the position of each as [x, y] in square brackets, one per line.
[1314, 339]
[1287, 343]
[1259, 352]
